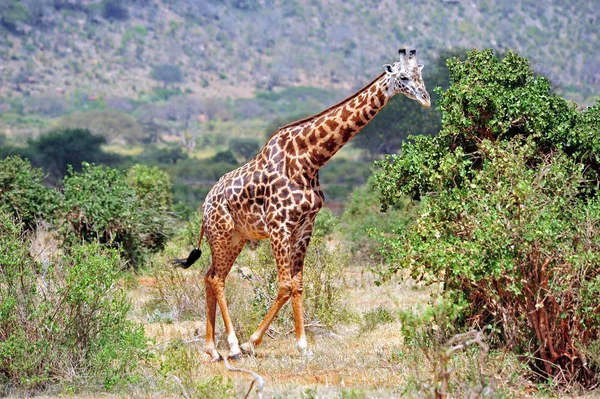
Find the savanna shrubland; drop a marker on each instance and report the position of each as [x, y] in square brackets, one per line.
[63, 321]
[64, 317]
[509, 214]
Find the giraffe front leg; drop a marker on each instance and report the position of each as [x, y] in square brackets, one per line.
[281, 251]
[298, 256]
[283, 295]
[298, 313]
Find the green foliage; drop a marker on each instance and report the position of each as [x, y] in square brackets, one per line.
[13, 13]
[509, 210]
[22, 193]
[325, 223]
[362, 215]
[63, 321]
[245, 148]
[100, 205]
[167, 74]
[152, 187]
[114, 10]
[58, 149]
[340, 176]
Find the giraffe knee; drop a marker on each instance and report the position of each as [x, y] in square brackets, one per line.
[297, 288]
[285, 290]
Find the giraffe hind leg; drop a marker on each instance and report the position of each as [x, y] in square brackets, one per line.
[224, 255]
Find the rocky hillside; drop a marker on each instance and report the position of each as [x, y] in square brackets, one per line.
[228, 48]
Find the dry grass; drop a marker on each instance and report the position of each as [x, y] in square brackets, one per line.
[343, 363]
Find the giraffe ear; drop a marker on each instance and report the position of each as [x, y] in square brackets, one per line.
[420, 67]
[387, 68]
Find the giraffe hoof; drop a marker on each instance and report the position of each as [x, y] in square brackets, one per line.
[247, 348]
[216, 358]
[234, 356]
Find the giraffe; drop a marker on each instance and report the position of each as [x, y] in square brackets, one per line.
[277, 195]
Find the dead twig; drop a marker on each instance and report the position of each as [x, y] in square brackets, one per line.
[258, 379]
[178, 381]
[455, 344]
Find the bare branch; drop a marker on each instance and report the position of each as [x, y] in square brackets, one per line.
[258, 379]
[178, 381]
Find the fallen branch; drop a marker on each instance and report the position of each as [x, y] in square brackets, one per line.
[258, 379]
[178, 381]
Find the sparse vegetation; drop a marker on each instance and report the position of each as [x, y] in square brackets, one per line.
[63, 321]
[490, 224]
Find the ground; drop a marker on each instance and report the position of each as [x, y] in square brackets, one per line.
[352, 361]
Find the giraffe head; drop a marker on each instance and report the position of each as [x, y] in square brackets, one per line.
[405, 77]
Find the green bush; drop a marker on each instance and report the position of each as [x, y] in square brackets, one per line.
[125, 212]
[152, 187]
[65, 321]
[22, 193]
[100, 206]
[509, 213]
[14, 13]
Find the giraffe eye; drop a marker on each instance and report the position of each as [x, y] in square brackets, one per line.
[403, 77]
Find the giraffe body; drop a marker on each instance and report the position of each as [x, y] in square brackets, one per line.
[277, 195]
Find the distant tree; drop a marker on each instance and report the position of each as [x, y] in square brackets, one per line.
[114, 10]
[13, 13]
[224, 157]
[167, 74]
[58, 149]
[243, 147]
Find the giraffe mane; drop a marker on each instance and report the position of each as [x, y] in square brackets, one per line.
[308, 118]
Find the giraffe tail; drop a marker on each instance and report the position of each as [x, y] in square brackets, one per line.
[193, 256]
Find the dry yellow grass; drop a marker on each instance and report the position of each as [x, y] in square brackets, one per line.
[344, 363]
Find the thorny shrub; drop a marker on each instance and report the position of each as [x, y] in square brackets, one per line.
[510, 213]
[129, 213]
[23, 194]
[64, 321]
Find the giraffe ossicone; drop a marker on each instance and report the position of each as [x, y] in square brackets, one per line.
[277, 195]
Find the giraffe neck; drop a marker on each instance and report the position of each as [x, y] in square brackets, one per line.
[311, 142]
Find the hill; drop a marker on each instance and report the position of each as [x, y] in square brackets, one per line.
[229, 48]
